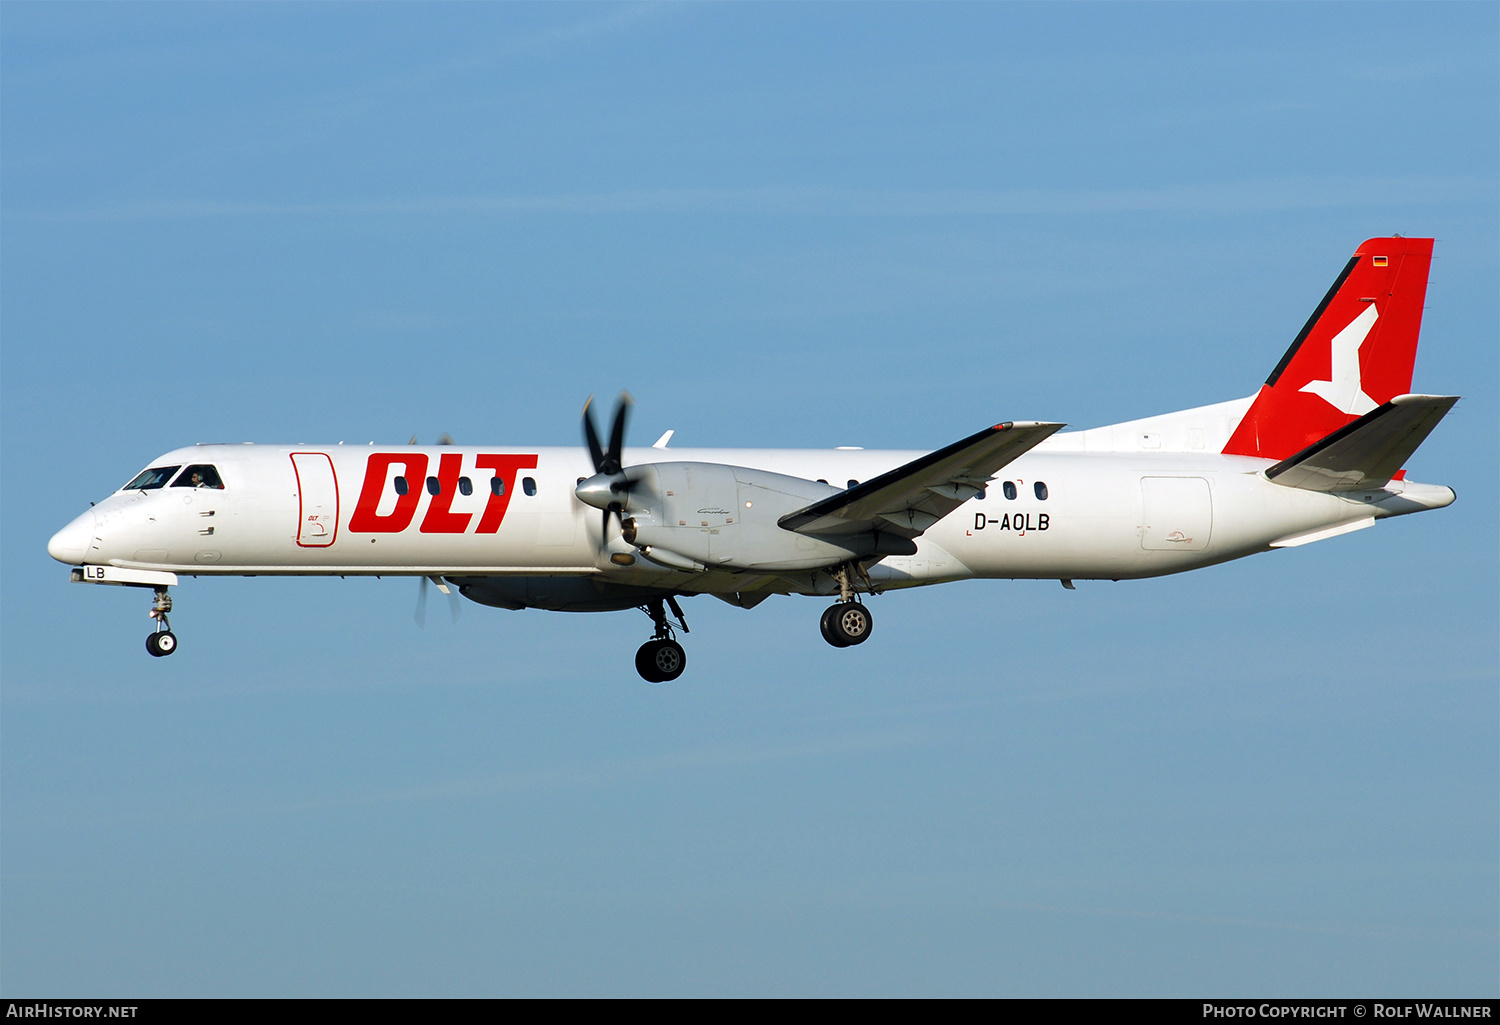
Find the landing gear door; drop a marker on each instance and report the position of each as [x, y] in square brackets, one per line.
[317, 499]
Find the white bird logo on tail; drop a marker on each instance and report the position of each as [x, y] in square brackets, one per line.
[1344, 390]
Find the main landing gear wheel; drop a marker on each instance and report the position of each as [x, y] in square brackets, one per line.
[826, 625]
[660, 661]
[846, 623]
[162, 643]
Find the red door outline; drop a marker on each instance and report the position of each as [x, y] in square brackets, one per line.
[303, 530]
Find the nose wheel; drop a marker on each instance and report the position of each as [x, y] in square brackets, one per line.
[662, 659]
[163, 641]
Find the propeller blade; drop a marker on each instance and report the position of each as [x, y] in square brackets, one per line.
[421, 614]
[445, 438]
[591, 436]
[455, 605]
[609, 488]
[617, 434]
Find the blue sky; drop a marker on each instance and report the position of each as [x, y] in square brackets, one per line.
[777, 225]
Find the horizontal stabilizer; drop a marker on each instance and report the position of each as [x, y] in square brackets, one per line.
[1368, 452]
[911, 498]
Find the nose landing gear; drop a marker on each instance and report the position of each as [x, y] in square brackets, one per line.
[163, 641]
[662, 659]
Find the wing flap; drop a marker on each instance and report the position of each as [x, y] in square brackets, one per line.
[911, 498]
[1367, 452]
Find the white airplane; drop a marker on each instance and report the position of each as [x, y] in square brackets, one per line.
[1316, 452]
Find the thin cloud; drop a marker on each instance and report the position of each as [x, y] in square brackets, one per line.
[621, 18]
[1235, 197]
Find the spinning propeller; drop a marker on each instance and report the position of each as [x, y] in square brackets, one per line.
[609, 487]
[454, 604]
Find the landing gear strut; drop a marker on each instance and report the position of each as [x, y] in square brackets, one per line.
[849, 622]
[163, 641]
[662, 659]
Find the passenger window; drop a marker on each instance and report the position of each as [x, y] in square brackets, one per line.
[199, 475]
[150, 480]
[464, 486]
[434, 486]
[853, 483]
[401, 486]
[1041, 491]
[528, 485]
[822, 480]
[1009, 487]
[982, 492]
[497, 486]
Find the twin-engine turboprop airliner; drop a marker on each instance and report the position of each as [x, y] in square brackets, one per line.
[1317, 452]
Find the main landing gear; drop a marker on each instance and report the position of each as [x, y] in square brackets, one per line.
[845, 624]
[849, 622]
[163, 641]
[662, 659]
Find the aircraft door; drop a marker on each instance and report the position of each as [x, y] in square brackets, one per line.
[1177, 514]
[317, 499]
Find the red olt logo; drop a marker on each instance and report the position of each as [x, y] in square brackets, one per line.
[440, 518]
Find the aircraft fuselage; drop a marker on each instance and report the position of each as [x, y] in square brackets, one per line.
[335, 510]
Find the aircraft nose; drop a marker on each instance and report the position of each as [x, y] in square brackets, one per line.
[69, 544]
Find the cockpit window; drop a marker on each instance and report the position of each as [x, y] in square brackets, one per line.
[199, 475]
[150, 480]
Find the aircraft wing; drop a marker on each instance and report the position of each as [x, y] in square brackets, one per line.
[1367, 452]
[911, 498]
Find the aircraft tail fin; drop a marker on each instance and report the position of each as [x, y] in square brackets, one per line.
[1368, 452]
[1355, 353]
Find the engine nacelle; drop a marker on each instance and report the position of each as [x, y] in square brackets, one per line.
[692, 515]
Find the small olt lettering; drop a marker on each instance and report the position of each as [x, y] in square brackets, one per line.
[1019, 521]
[440, 517]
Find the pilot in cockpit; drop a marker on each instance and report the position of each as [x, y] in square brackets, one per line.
[202, 475]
